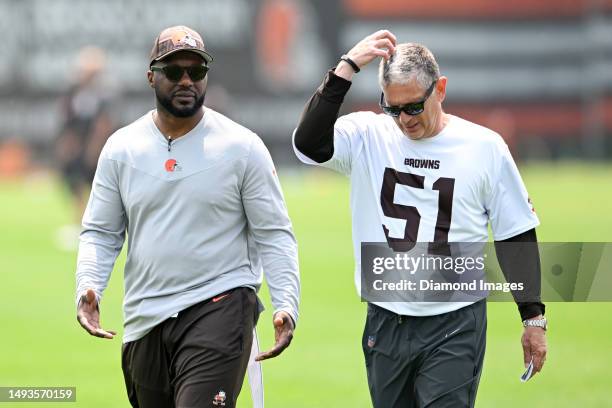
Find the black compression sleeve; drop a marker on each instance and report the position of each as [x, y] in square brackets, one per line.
[314, 135]
[519, 260]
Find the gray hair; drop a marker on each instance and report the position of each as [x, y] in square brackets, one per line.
[410, 60]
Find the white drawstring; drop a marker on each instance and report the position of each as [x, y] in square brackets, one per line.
[255, 374]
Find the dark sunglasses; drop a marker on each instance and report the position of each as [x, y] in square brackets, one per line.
[411, 109]
[174, 73]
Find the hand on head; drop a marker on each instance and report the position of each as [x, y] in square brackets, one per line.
[379, 44]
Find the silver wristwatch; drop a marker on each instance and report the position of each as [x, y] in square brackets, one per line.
[535, 323]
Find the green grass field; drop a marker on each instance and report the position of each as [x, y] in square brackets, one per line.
[42, 344]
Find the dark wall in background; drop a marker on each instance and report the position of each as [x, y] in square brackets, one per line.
[539, 72]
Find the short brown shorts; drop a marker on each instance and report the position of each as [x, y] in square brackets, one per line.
[197, 359]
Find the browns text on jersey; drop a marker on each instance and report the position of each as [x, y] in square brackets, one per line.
[422, 163]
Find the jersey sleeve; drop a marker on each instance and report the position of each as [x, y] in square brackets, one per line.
[103, 229]
[508, 205]
[349, 132]
[271, 230]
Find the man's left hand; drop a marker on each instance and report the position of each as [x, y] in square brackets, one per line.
[283, 334]
[534, 346]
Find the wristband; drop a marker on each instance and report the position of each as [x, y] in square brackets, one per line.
[349, 61]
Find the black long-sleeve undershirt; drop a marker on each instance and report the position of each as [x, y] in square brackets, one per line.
[519, 259]
[518, 256]
[314, 136]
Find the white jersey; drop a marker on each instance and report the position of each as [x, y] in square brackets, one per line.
[446, 188]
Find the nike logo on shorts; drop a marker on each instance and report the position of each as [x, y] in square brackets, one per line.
[218, 298]
[451, 333]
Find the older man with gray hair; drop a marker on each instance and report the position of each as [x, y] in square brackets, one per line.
[419, 174]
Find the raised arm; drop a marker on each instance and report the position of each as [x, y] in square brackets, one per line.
[314, 136]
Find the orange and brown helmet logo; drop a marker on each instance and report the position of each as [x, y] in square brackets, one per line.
[170, 165]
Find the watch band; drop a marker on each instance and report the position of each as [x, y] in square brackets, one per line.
[542, 323]
[352, 63]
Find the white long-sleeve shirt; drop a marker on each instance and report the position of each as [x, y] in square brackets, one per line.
[202, 215]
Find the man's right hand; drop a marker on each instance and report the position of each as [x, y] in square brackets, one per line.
[88, 316]
[380, 44]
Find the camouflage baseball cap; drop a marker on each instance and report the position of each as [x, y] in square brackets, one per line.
[178, 38]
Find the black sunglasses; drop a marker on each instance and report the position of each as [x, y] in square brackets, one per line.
[174, 73]
[411, 109]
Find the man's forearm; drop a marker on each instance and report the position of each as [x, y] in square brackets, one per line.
[314, 136]
[519, 260]
[98, 252]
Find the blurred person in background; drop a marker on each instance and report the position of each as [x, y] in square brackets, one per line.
[458, 177]
[85, 126]
[199, 197]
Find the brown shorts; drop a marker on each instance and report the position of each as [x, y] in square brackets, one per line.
[197, 359]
